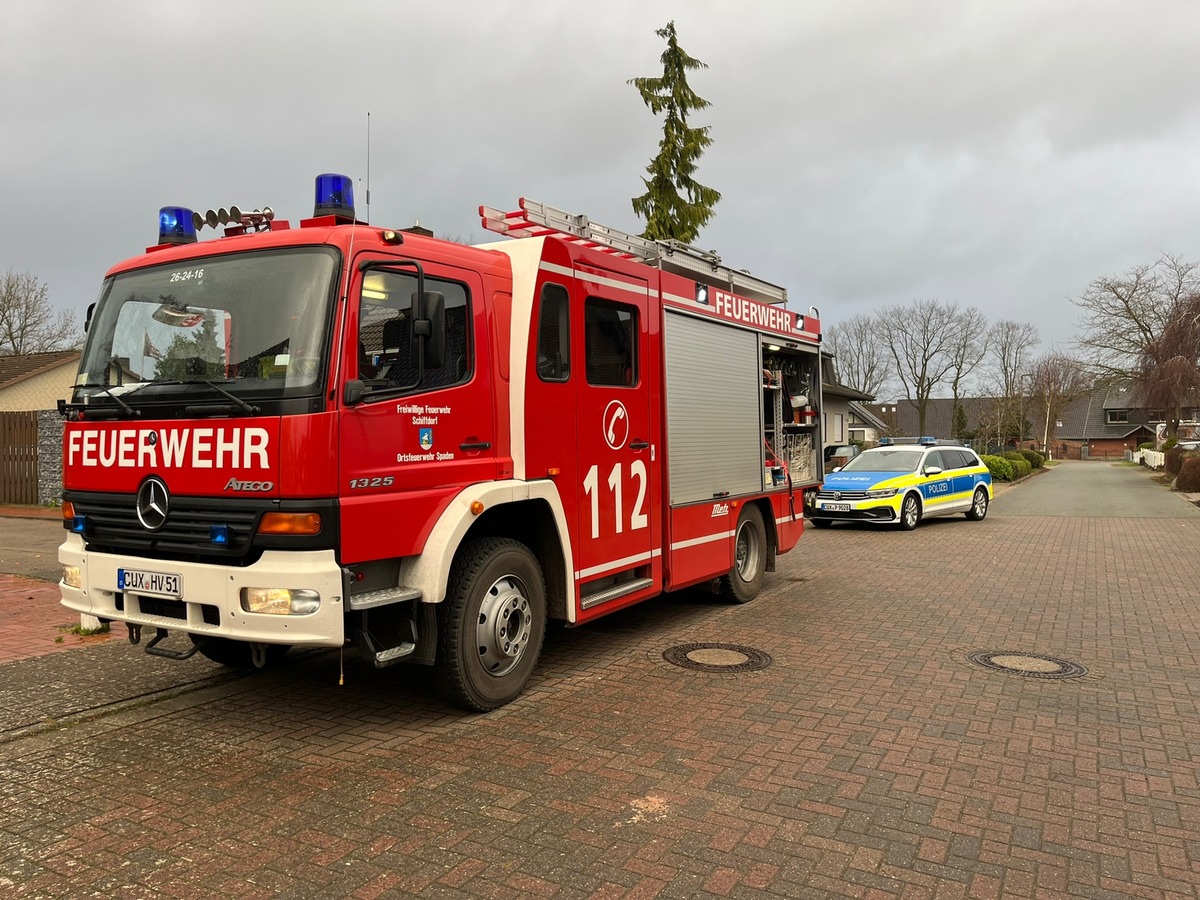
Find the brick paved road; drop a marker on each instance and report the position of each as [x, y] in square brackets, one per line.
[869, 760]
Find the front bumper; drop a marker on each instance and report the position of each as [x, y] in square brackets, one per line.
[210, 601]
[880, 512]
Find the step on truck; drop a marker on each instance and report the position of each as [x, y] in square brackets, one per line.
[340, 435]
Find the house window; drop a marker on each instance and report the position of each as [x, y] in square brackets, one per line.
[1156, 415]
[1118, 416]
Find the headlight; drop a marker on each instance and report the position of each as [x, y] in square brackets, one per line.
[72, 577]
[882, 493]
[280, 601]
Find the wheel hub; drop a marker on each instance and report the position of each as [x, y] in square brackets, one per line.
[504, 626]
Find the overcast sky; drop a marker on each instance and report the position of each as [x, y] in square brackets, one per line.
[998, 154]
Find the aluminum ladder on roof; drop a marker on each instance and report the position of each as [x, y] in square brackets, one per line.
[537, 219]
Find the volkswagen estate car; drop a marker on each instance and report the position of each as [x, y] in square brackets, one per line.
[901, 482]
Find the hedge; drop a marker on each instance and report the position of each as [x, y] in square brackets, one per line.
[1001, 468]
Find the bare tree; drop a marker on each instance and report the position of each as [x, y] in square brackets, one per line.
[28, 324]
[862, 360]
[1010, 352]
[920, 340]
[1168, 377]
[1054, 381]
[969, 346]
[1124, 314]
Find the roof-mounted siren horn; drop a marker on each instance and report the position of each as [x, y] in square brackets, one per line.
[176, 225]
[335, 197]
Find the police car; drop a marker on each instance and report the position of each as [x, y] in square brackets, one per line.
[902, 481]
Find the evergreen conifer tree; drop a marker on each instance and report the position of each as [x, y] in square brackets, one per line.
[675, 205]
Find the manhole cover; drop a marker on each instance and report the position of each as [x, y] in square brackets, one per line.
[1031, 665]
[717, 657]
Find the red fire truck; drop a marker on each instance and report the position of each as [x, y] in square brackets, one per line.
[343, 435]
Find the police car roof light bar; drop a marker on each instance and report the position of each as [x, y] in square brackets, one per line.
[537, 219]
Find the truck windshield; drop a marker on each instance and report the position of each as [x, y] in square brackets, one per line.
[256, 323]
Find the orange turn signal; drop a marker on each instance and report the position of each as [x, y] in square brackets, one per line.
[476, 507]
[68, 510]
[290, 523]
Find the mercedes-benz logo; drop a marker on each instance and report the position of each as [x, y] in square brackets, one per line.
[153, 503]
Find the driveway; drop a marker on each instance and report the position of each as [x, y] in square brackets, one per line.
[874, 756]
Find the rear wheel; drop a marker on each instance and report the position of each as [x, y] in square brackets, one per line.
[745, 579]
[239, 654]
[979, 505]
[491, 624]
[910, 512]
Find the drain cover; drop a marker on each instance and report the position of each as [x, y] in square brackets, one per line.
[725, 658]
[1031, 665]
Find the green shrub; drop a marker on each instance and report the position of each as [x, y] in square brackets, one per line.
[1012, 455]
[1146, 445]
[1169, 443]
[1021, 468]
[1188, 479]
[1173, 460]
[1034, 458]
[1000, 467]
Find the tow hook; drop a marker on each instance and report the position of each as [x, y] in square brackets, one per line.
[135, 633]
[258, 655]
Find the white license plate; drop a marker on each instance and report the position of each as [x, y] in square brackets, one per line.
[836, 507]
[139, 581]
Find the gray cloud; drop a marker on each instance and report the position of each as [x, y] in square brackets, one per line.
[991, 154]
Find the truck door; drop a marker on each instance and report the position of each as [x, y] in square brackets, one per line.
[422, 431]
[618, 552]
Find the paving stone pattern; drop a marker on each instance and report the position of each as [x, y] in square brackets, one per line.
[869, 760]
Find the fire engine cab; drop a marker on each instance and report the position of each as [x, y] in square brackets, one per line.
[343, 435]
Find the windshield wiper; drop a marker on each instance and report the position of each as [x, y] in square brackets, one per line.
[248, 408]
[125, 407]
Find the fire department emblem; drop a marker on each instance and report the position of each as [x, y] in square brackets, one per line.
[616, 425]
[426, 438]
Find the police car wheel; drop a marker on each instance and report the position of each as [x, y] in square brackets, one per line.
[910, 512]
[491, 624]
[979, 506]
[745, 578]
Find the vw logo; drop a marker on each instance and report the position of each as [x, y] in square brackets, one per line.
[837, 495]
[153, 503]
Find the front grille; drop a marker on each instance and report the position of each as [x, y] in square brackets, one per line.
[113, 527]
[166, 609]
[841, 495]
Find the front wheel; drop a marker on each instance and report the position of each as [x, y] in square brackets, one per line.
[745, 579]
[979, 506]
[910, 512]
[491, 624]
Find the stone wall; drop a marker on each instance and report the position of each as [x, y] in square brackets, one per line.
[50, 469]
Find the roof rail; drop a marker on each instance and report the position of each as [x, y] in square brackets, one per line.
[537, 219]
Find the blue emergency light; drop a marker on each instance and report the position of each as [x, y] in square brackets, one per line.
[335, 196]
[218, 534]
[175, 225]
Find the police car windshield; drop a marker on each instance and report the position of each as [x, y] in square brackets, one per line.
[255, 322]
[885, 460]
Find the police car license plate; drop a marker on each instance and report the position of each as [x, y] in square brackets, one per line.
[836, 507]
[139, 581]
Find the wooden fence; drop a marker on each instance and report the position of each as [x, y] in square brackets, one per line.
[18, 457]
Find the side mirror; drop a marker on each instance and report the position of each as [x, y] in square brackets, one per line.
[87, 319]
[933, 470]
[354, 392]
[429, 329]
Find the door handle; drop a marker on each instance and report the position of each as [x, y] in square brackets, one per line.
[475, 445]
[638, 445]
